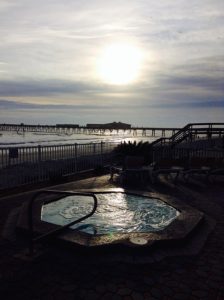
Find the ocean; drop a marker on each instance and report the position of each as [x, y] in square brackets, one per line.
[12, 138]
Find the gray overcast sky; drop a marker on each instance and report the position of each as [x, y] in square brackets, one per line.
[50, 50]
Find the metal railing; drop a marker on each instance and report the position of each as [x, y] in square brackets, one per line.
[190, 131]
[26, 165]
[32, 238]
[186, 154]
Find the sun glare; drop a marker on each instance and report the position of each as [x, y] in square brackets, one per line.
[120, 64]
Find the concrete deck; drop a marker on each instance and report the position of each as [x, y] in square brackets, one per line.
[194, 274]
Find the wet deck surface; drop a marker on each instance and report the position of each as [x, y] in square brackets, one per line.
[60, 275]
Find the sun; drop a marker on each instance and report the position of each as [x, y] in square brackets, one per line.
[120, 64]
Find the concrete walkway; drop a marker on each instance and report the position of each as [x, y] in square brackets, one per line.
[57, 276]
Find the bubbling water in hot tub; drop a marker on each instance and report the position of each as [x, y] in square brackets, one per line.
[116, 213]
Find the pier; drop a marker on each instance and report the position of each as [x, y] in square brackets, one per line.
[100, 130]
[193, 130]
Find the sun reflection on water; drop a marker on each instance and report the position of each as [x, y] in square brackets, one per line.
[116, 212]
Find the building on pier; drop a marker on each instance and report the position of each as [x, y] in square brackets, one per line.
[114, 125]
[67, 125]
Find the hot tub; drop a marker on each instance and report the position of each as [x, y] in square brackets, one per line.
[115, 213]
[121, 217]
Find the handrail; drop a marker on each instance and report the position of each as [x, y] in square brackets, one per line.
[203, 124]
[58, 230]
[187, 130]
[160, 140]
[182, 131]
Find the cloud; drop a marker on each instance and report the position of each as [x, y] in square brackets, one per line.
[37, 88]
[12, 105]
[49, 51]
[203, 82]
[208, 104]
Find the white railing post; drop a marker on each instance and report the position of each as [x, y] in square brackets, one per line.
[94, 148]
[39, 162]
[39, 153]
[76, 158]
[101, 153]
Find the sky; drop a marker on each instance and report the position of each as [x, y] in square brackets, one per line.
[51, 52]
